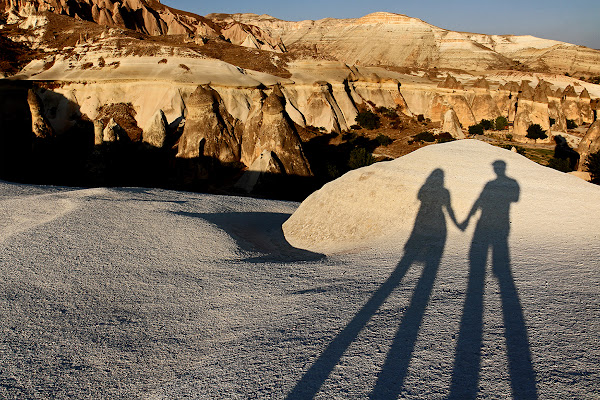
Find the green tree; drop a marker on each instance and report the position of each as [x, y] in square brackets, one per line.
[367, 120]
[360, 157]
[486, 123]
[476, 130]
[562, 165]
[425, 136]
[536, 132]
[383, 140]
[501, 123]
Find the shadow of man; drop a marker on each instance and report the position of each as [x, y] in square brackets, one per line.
[425, 245]
[491, 233]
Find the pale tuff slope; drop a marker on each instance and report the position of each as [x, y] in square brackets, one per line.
[383, 38]
[127, 293]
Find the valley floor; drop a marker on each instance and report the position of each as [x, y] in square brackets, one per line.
[133, 293]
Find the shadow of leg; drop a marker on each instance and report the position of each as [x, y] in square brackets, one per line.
[522, 376]
[465, 375]
[390, 380]
[308, 386]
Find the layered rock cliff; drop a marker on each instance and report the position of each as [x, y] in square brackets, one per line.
[417, 44]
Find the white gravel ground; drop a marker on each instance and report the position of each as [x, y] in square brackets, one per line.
[134, 293]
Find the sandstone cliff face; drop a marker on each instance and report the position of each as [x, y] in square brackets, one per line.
[251, 36]
[209, 128]
[268, 128]
[589, 144]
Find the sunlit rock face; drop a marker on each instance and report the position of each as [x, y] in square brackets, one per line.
[366, 40]
[589, 144]
[269, 129]
[384, 202]
[209, 128]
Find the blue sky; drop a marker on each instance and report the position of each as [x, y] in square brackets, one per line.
[573, 21]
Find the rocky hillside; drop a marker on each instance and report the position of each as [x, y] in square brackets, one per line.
[216, 103]
[145, 16]
[417, 44]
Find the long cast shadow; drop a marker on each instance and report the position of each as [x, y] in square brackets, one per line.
[258, 232]
[425, 245]
[491, 233]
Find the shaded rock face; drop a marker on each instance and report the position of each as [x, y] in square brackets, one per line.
[113, 132]
[39, 124]
[98, 132]
[589, 144]
[267, 163]
[269, 128]
[209, 128]
[155, 132]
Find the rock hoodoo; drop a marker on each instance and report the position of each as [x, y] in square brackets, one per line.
[39, 124]
[155, 132]
[209, 128]
[589, 144]
[270, 129]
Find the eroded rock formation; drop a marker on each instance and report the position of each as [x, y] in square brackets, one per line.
[589, 144]
[269, 128]
[209, 129]
[155, 132]
[39, 124]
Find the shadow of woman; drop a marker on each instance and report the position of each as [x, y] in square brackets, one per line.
[491, 233]
[425, 245]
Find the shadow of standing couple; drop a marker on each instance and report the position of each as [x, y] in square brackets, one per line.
[425, 246]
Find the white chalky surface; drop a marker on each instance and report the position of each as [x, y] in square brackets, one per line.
[154, 294]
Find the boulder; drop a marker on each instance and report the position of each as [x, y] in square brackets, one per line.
[155, 132]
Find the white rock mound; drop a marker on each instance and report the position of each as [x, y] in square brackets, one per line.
[379, 203]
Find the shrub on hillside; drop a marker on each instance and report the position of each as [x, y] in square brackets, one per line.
[501, 123]
[444, 137]
[387, 112]
[360, 157]
[368, 120]
[384, 140]
[486, 123]
[476, 130]
[425, 136]
[536, 132]
[560, 164]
